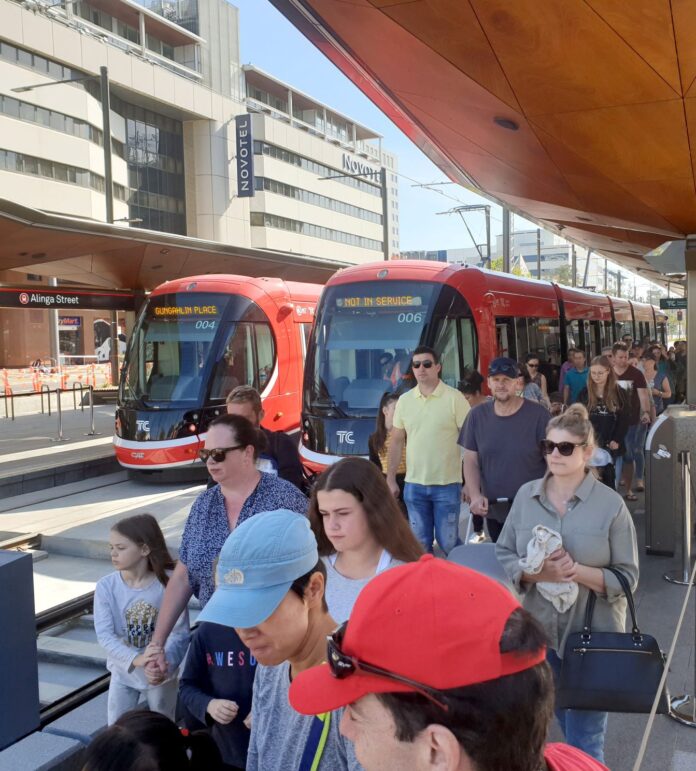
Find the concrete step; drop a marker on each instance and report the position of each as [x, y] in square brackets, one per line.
[16, 502]
[60, 650]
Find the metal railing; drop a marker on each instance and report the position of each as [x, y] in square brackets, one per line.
[9, 396]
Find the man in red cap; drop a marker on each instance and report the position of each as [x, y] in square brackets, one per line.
[440, 669]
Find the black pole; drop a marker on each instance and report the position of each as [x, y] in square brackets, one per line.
[506, 239]
[106, 128]
[574, 264]
[539, 253]
[587, 268]
[385, 212]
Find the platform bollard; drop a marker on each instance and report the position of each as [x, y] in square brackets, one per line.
[45, 390]
[91, 431]
[9, 395]
[682, 576]
[60, 437]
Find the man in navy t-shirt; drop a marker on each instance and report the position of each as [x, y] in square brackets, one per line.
[501, 445]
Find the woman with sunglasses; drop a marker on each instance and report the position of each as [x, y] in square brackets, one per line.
[610, 413]
[360, 530]
[532, 367]
[596, 531]
[232, 447]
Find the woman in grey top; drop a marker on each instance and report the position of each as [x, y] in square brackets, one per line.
[596, 531]
[360, 530]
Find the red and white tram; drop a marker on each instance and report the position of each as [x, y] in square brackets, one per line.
[371, 317]
[197, 338]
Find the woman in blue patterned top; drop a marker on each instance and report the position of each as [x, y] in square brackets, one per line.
[232, 446]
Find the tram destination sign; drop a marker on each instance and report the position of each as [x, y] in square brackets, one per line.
[672, 303]
[52, 298]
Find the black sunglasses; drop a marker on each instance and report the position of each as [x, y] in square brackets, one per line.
[565, 448]
[342, 665]
[218, 454]
[427, 364]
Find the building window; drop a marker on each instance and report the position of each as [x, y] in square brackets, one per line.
[279, 153]
[264, 184]
[41, 167]
[263, 219]
[58, 121]
[155, 158]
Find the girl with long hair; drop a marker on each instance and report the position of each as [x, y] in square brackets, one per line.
[609, 412]
[597, 532]
[126, 606]
[378, 443]
[147, 741]
[359, 528]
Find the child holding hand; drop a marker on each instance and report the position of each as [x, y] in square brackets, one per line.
[126, 604]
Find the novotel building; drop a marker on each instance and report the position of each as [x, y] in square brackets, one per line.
[201, 146]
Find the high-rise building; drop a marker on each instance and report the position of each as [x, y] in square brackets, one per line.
[176, 91]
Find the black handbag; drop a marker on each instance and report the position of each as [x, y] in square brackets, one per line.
[611, 671]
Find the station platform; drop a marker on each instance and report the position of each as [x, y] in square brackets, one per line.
[74, 521]
[32, 458]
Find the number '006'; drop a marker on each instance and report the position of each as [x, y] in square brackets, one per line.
[410, 318]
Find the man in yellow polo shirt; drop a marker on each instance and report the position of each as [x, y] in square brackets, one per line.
[430, 417]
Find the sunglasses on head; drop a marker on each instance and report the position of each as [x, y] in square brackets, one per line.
[427, 364]
[342, 665]
[218, 454]
[564, 448]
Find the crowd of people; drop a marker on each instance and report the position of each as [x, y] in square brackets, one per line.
[330, 636]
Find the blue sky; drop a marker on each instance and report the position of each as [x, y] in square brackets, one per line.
[271, 43]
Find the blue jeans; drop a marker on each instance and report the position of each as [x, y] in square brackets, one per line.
[434, 507]
[635, 451]
[582, 728]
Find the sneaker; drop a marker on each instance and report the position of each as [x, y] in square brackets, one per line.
[477, 537]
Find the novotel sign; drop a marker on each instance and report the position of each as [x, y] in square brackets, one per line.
[245, 156]
[355, 166]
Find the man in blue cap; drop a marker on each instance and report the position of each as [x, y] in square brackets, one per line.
[501, 445]
[270, 588]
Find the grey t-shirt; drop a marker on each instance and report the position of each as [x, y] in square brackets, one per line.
[341, 592]
[279, 734]
[507, 446]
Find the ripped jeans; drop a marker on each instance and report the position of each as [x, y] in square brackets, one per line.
[434, 508]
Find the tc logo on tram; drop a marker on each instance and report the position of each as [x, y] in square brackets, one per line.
[143, 425]
[345, 437]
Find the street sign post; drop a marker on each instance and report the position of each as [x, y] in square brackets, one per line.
[672, 303]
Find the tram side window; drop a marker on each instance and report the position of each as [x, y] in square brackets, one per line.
[595, 339]
[544, 339]
[248, 358]
[505, 337]
[446, 343]
[574, 335]
[265, 354]
[605, 332]
[522, 336]
[468, 344]
[305, 335]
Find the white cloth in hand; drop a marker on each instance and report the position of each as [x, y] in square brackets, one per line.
[544, 542]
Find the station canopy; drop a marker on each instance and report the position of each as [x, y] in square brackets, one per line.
[577, 114]
[79, 251]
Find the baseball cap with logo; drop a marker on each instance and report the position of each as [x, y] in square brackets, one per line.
[504, 366]
[424, 627]
[258, 564]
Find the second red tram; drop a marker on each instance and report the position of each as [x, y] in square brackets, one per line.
[196, 339]
[371, 317]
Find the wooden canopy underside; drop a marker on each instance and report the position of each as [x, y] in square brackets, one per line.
[603, 93]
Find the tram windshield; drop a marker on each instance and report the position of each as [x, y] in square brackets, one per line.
[363, 341]
[169, 351]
